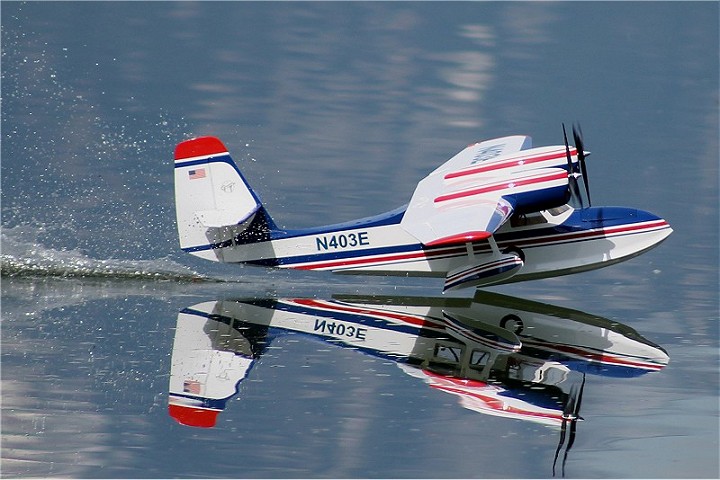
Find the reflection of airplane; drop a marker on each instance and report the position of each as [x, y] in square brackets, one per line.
[496, 212]
[523, 371]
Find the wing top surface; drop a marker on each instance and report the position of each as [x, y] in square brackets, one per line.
[484, 151]
[473, 194]
[436, 219]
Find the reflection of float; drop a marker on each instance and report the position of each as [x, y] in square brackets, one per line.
[500, 355]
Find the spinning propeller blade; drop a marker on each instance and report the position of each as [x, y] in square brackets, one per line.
[572, 178]
[577, 136]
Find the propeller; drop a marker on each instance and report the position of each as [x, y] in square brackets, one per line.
[577, 137]
[572, 175]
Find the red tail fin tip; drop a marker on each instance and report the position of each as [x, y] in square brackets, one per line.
[199, 147]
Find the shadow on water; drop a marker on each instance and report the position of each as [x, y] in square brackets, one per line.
[498, 355]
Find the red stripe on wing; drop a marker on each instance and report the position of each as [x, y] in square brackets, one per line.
[460, 238]
[515, 161]
[501, 186]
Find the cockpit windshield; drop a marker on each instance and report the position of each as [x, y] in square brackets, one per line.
[538, 218]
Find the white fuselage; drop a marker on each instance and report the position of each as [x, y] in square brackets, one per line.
[554, 242]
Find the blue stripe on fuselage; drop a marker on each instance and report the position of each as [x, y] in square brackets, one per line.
[392, 217]
[583, 220]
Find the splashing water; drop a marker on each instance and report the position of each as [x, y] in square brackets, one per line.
[24, 256]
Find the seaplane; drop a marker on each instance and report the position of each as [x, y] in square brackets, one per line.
[499, 211]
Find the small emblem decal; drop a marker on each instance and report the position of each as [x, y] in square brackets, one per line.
[197, 173]
[487, 153]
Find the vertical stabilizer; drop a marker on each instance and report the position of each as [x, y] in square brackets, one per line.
[213, 202]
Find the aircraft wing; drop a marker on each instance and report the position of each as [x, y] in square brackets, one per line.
[435, 218]
[472, 195]
[484, 151]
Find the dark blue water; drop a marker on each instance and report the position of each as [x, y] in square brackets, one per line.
[335, 111]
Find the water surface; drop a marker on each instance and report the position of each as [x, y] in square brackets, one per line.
[335, 111]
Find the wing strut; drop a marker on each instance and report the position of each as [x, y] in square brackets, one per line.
[494, 245]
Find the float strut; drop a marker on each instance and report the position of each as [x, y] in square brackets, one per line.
[494, 246]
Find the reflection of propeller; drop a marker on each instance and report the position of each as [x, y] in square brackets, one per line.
[572, 175]
[571, 413]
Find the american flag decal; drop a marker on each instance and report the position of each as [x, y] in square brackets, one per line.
[196, 173]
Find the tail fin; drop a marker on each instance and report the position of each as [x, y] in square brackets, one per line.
[213, 202]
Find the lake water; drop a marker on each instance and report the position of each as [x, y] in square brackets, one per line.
[335, 111]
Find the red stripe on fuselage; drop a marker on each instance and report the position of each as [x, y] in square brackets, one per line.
[382, 259]
[602, 232]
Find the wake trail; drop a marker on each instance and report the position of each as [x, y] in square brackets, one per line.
[23, 256]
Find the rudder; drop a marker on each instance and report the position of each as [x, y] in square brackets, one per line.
[213, 202]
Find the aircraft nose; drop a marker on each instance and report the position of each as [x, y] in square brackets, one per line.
[647, 229]
[641, 230]
[644, 216]
[613, 214]
[659, 223]
[609, 214]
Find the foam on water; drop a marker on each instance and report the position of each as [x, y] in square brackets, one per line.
[24, 256]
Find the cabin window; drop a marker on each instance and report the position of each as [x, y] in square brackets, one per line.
[479, 359]
[537, 218]
[445, 353]
[525, 219]
[559, 210]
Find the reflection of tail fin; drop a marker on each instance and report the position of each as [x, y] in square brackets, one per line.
[210, 358]
[213, 202]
